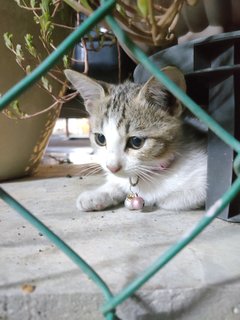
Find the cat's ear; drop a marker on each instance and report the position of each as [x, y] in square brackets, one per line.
[89, 89]
[155, 92]
[176, 76]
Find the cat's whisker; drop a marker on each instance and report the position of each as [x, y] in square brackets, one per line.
[147, 181]
[144, 173]
[152, 171]
[146, 176]
[96, 169]
[87, 165]
[155, 170]
[88, 168]
[91, 173]
[149, 167]
[143, 178]
[105, 173]
[91, 169]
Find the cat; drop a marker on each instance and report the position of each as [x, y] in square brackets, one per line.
[138, 131]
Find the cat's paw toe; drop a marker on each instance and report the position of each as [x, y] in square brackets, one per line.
[91, 202]
[80, 204]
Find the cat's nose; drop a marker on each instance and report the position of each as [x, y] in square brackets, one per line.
[115, 168]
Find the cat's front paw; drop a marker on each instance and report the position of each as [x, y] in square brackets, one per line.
[95, 201]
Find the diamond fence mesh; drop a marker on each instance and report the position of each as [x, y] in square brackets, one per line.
[112, 301]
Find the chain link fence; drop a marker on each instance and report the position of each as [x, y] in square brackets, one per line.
[112, 301]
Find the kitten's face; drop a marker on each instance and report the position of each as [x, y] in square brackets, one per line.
[134, 128]
[128, 133]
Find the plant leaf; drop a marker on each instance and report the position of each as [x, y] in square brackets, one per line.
[46, 84]
[86, 4]
[44, 5]
[143, 7]
[192, 2]
[75, 6]
[18, 2]
[66, 61]
[13, 111]
[8, 40]
[33, 3]
[19, 53]
[46, 26]
[28, 69]
[29, 45]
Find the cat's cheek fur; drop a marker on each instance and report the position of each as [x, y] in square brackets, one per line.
[106, 196]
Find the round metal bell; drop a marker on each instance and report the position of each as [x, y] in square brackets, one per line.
[134, 202]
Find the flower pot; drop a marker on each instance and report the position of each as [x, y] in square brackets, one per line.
[22, 142]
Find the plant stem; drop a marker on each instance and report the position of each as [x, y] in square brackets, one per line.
[78, 7]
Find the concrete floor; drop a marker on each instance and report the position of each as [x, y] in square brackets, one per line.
[37, 281]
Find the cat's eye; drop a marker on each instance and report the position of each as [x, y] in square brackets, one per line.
[100, 139]
[135, 142]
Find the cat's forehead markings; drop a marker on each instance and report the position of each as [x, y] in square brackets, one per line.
[115, 111]
[118, 102]
[112, 134]
[127, 126]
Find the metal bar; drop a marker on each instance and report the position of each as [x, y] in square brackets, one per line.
[57, 241]
[52, 59]
[219, 205]
[209, 216]
[213, 212]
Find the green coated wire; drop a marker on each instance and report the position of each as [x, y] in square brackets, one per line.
[113, 301]
[171, 86]
[19, 88]
[209, 216]
[52, 59]
[215, 210]
[59, 243]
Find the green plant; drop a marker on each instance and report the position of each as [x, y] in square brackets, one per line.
[146, 21]
[151, 22]
[49, 15]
